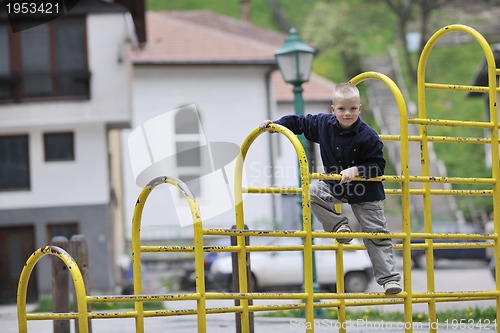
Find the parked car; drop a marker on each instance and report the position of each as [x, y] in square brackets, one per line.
[189, 278]
[284, 269]
[418, 256]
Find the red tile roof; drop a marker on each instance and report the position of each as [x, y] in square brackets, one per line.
[204, 37]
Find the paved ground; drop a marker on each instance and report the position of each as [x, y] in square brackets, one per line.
[466, 276]
[225, 324]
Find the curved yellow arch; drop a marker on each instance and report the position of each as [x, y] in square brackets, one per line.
[198, 246]
[306, 214]
[76, 275]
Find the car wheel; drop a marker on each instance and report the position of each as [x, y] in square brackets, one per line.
[254, 284]
[229, 284]
[355, 282]
[419, 261]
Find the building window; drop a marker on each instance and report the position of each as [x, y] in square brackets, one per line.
[193, 182]
[5, 71]
[14, 163]
[45, 61]
[59, 146]
[188, 150]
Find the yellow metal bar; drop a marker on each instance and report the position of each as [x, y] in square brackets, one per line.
[423, 246]
[445, 192]
[370, 302]
[76, 276]
[339, 263]
[415, 179]
[405, 185]
[451, 123]
[418, 235]
[457, 294]
[451, 180]
[272, 190]
[261, 295]
[245, 233]
[322, 234]
[142, 298]
[437, 138]
[458, 87]
[240, 226]
[308, 240]
[424, 155]
[493, 125]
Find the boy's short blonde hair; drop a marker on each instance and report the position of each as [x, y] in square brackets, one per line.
[345, 90]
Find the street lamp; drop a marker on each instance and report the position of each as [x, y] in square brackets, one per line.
[294, 60]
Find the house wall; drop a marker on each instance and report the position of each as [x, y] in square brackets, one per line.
[75, 191]
[231, 102]
[83, 181]
[65, 192]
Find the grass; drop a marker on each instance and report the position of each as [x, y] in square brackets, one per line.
[45, 305]
[260, 12]
[468, 314]
[225, 7]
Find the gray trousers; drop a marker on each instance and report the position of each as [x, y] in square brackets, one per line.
[370, 216]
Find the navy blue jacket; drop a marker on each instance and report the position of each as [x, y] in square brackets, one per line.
[340, 149]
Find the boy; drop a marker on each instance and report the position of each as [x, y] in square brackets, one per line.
[351, 148]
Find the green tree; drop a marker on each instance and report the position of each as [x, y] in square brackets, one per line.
[327, 26]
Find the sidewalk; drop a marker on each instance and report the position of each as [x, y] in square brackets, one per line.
[225, 323]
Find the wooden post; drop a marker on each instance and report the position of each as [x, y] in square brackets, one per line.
[79, 251]
[235, 282]
[60, 286]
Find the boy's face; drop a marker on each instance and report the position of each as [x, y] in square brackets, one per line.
[346, 110]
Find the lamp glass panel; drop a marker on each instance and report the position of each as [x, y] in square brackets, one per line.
[305, 66]
[288, 66]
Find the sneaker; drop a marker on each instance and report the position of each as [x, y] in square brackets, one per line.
[344, 228]
[392, 287]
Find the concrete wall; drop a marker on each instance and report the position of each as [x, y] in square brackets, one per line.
[92, 222]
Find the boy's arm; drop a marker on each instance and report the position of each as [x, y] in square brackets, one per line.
[373, 160]
[306, 125]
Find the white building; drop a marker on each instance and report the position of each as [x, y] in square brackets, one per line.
[225, 70]
[65, 86]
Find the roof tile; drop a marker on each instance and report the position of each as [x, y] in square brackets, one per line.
[204, 37]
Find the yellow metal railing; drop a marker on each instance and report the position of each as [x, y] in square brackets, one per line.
[309, 300]
[424, 141]
[138, 298]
